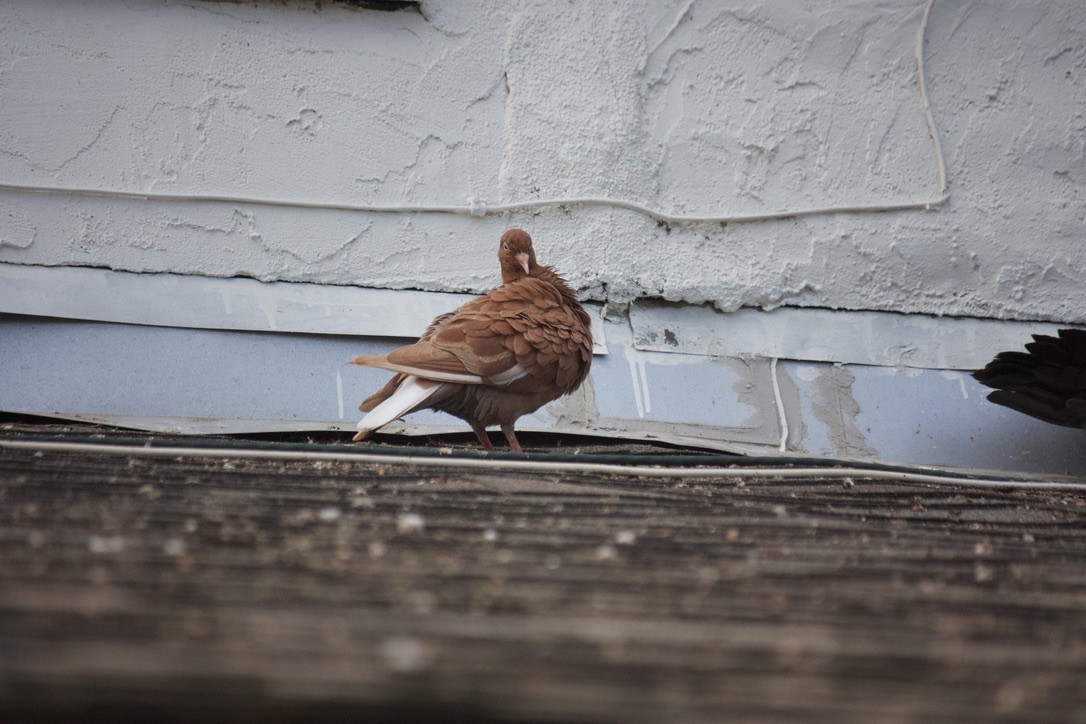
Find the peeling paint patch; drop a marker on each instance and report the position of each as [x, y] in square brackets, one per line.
[753, 396]
[837, 409]
[577, 409]
[16, 229]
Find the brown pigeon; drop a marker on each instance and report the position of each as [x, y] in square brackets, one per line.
[498, 357]
[1047, 381]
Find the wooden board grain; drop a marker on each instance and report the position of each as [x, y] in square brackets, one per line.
[198, 589]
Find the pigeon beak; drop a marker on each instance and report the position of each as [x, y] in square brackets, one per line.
[523, 259]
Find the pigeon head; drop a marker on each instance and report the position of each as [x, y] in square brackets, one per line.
[516, 255]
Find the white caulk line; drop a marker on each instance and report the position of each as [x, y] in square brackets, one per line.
[636, 385]
[645, 386]
[339, 393]
[782, 418]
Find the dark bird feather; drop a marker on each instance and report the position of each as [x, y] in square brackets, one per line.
[1047, 381]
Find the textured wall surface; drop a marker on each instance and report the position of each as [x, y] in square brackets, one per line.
[688, 107]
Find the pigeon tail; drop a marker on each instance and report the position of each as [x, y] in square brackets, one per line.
[409, 396]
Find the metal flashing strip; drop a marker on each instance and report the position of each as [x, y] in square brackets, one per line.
[240, 304]
[526, 464]
[241, 426]
[883, 339]
[199, 381]
[887, 339]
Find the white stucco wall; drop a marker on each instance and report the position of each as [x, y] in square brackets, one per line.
[688, 107]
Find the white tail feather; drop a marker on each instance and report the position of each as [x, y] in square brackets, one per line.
[409, 395]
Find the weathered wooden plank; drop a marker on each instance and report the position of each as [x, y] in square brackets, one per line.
[248, 589]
